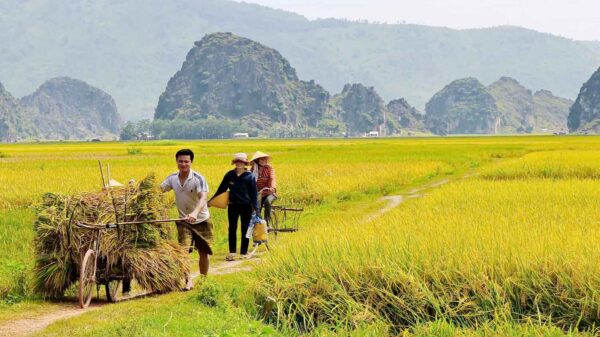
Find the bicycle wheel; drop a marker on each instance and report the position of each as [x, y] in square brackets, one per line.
[87, 278]
[112, 290]
[274, 223]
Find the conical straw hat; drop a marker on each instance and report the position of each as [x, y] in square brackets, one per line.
[113, 183]
[219, 201]
[258, 155]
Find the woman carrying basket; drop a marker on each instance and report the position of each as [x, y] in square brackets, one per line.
[266, 183]
[242, 202]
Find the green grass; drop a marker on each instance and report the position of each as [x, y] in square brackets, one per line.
[134, 150]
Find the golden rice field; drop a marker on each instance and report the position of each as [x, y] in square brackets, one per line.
[510, 250]
[517, 243]
[307, 172]
[312, 173]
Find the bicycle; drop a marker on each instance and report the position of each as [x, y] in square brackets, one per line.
[282, 218]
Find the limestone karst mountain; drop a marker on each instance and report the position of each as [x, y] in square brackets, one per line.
[463, 107]
[584, 116]
[67, 108]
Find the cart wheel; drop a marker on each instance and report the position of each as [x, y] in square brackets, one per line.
[87, 278]
[112, 290]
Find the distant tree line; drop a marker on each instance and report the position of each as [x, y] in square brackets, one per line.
[213, 128]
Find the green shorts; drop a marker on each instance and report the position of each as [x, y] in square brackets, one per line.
[201, 234]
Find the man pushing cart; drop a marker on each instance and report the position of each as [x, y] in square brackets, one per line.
[191, 191]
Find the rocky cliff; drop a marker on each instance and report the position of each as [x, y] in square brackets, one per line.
[8, 121]
[15, 122]
[463, 107]
[234, 78]
[524, 112]
[584, 115]
[407, 116]
[362, 110]
[515, 104]
[66, 108]
[550, 112]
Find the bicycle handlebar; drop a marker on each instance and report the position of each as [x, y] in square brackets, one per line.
[263, 189]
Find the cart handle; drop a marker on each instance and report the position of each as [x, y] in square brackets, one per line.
[91, 226]
[116, 225]
[283, 208]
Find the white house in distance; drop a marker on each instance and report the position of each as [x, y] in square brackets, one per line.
[373, 134]
[145, 136]
[240, 135]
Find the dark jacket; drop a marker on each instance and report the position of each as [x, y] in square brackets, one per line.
[242, 189]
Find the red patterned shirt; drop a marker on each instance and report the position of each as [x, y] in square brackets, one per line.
[266, 178]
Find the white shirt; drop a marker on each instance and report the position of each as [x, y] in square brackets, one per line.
[188, 194]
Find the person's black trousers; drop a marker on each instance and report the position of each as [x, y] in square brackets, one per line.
[233, 213]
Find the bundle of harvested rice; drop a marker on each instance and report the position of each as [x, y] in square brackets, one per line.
[141, 252]
[148, 266]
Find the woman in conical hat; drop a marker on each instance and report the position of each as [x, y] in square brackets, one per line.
[242, 202]
[264, 174]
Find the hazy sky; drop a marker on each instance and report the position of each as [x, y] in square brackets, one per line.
[576, 19]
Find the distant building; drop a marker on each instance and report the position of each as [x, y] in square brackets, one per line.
[145, 136]
[240, 135]
[373, 134]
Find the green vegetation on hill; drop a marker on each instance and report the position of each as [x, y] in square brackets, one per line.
[96, 41]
